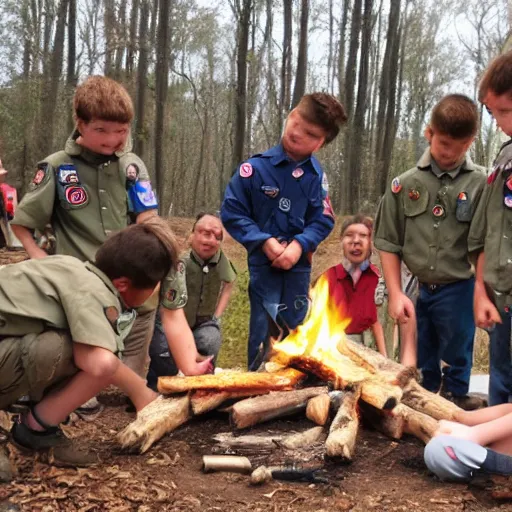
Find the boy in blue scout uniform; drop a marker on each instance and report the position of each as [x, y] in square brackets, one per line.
[62, 325]
[277, 206]
[424, 219]
[208, 278]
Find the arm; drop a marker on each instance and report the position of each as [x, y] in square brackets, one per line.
[181, 342]
[485, 415]
[24, 235]
[486, 314]
[143, 216]
[225, 294]
[378, 332]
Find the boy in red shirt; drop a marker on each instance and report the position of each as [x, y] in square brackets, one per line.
[352, 283]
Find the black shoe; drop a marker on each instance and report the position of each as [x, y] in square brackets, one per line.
[53, 442]
[466, 402]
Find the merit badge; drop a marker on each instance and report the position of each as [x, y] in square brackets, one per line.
[40, 174]
[438, 211]
[285, 204]
[145, 194]
[67, 174]
[507, 201]
[414, 194]
[170, 295]
[297, 173]
[396, 186]
[76, 195]
[246, 170]
[328, 207]
[462, 197]
[269, 191]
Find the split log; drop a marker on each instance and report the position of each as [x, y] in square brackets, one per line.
[161, 416]
[205, 400]
[417, 424]
[302, 439]
[342, 436]
[247, 413]
[233, 381]
[317, 409]
[389, 424]
[228, 441]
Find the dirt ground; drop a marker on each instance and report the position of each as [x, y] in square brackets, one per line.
[384, 476]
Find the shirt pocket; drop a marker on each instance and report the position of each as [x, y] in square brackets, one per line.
[415, 200]
[464, 207]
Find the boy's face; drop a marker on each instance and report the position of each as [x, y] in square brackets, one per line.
[300, 137]
[103, 137]
[448, 152]
[356, 243]
[206, 237]
[500, 107]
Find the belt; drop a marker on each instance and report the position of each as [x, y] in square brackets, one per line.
[432, 288]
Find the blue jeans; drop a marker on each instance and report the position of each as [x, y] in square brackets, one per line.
[446, 331]
[277, 295]
[500, 380]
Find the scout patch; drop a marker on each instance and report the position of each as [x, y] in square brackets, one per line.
[396, 186]
[75, 195]
[414, 194]
[180, 267]
[246, 170]
[269, 191]
[112, 315]
[463, 209]
[40, 174]
[328, 207]
[285, 204]
[132, 172]
[492, 177]
[462, 196]
[67, 174]
[170, 295]
[297, 173]
[145, 194]
[508, 183]
[438, 211]
[507, 201]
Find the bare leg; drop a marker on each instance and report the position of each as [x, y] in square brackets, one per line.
[408, 342]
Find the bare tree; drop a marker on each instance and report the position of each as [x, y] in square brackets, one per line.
[302, 58]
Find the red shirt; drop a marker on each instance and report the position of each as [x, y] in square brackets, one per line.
[357, 303]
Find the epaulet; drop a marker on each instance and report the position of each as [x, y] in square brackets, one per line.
[58, 158]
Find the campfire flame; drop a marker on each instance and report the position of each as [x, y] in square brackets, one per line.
[320, 335]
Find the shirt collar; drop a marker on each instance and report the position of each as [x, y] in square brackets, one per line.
[342, 273]
[74, 149]
[426, 162]
[106, 281]
[211, 262]
[278, 155]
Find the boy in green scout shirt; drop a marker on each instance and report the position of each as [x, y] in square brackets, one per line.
[63, 321]
[424, 219]
[86, 192]
[208, 276]
[491, 236]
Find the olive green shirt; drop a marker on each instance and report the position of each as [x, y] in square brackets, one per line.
[82, 195]
[491, 229]
[62, 292]
[425, 217]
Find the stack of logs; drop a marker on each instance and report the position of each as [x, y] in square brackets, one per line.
[384, 392]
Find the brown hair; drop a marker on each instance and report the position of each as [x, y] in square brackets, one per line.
[455, 115]
[358, 218]
[144, 253]
[497, 77]
[323, 110]
[100, 97]
[200, 215]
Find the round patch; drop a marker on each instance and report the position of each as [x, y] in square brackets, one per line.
[462, 196]
[438, 210]
[396, 186]
[39, 177]
[325, 183]
[285, 204]
[509, 183]
[507, 200]
[297, 173]
[170, 295]
[414, 194]
[76, 195]
[180, 267]
[246, 170]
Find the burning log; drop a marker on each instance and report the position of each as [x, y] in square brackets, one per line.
[341, 441]
[317, 409]
[161, 416]
[205, 400]
[247, 413]
[233, 381]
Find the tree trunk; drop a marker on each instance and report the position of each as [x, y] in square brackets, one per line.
[286, 63]
[132, 40]
[71, 79]
[109, 21]
[302, 58]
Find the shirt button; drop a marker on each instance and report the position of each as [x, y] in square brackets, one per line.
[103, 207]
[509, 261]
[101, 190]
[431, 268]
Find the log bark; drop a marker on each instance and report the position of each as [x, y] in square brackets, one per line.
[161, 416]
[233, 381]
[205, 400]
[391, 425]
[317, 409]
[341, 441]
[418, 424]
[248, 443]
[302, 439]
[274, 405]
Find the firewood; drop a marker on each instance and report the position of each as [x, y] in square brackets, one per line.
[227, 441]
[389, 424]
[231, 463]
[302, 439]
[417, 424]
[161, 416]
[317, 409]
[204, 400]
[233, 381]
[274, 405]
[342, 436]
[431, 404]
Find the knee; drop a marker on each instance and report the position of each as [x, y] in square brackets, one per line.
[96, 361]
[441, 459]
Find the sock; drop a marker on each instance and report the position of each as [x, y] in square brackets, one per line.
[497, 463]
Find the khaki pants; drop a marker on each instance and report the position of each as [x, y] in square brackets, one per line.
[32, 363]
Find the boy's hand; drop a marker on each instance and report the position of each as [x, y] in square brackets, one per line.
[289, 257]
[451, 428]
[486, 314]
[400, 308]
[204, 365]
[272, 248]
